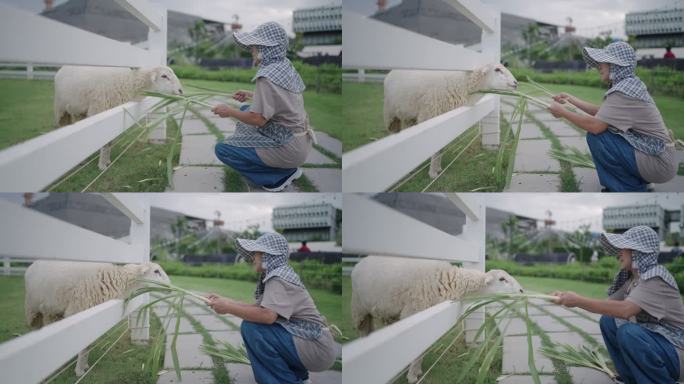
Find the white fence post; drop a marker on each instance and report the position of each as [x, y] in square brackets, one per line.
[158, 43]
[7, 265]
[491, 46]
[29, 71]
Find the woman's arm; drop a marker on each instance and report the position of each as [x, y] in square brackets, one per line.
[623, 309]
[249, 312]
[588, 123]
[587, 107]
[250, 118]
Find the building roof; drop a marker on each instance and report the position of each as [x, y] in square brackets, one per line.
[107, 18]
[438, 19]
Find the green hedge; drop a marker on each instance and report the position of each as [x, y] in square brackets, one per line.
[325, 78]
[313, 273]
[602, 272]
[661, 80]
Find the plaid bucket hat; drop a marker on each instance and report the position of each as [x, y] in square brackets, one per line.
[623, 62]
[276, 253]
[645, 245]
[272, 42]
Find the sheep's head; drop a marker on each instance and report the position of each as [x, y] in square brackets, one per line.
[151, 271]
[498, 281]
[165, 81]
[496, 76]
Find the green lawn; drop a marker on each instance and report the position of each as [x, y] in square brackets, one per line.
[26, 112]
[124, 362]
[362, 114]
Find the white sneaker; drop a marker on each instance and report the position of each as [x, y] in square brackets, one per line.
[286, 183]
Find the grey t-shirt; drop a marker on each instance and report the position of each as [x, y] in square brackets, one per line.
[658, 299]
[623, 113]
[286, 108]
[294, 302]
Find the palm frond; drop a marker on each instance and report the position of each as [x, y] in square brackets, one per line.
[580, 357]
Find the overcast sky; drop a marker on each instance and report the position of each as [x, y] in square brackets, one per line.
[572, 209]
[589, 16]
[238, 210]
[251, 12]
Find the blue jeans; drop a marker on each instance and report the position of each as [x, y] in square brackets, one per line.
[640, 355]
[272, 353]
[615, 162]
[246, 162]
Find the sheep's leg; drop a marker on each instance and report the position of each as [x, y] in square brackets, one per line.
[394, 126]
[82, 363]
[365, 326]
[414, 370]
[105, 153]
[435, 165]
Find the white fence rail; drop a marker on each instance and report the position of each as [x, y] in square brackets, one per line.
[373, 228]
[378, 45]
[29, 235]
[34, 164]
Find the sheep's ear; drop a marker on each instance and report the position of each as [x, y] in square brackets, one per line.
[489, 277]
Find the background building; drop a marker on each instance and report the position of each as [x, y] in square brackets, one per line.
[496, 217]
[656, 28]
[314, 222]
[94, 212]
[440, 20]
[620, 219]
[319, 25]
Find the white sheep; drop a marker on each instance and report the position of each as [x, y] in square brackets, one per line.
[59, 289]
[85, 91]
[389, 289]
[412, 97]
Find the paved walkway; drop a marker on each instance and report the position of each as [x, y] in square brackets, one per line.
[199, 324]
[536, 171]
[200, 171]
[559, 324]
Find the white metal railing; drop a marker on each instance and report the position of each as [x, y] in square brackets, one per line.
[377, 45]
[34, 164]
[30, 235]
[373, 228]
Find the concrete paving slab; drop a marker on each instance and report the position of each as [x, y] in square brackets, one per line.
[579, 142]
[587, 178]
[516, 326]
[582, 375]
[515, 356]
[526, 379]
[532, 156]
[325, 179]
[531, 131]
[185, 326]
[315, 157]
[532, 182]
[588, 326]
[194, 127]
[571, 338]
[549, 324]
[227, 126]
[198, 150]
[562, 129]
[240, 373]
[326, 377]
[559, 310]
[330, 143]
[189, 354]
[195, 377]
[198, 179]
[234, 319]
[212, 323]
[232, 337]
[594, 316]
[674, 185]
[195, 310]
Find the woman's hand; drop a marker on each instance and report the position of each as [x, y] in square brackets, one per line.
[563, 97]
[223, 110]
[568, 298]
[556, 110]
[242, 95]
[219, 304]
